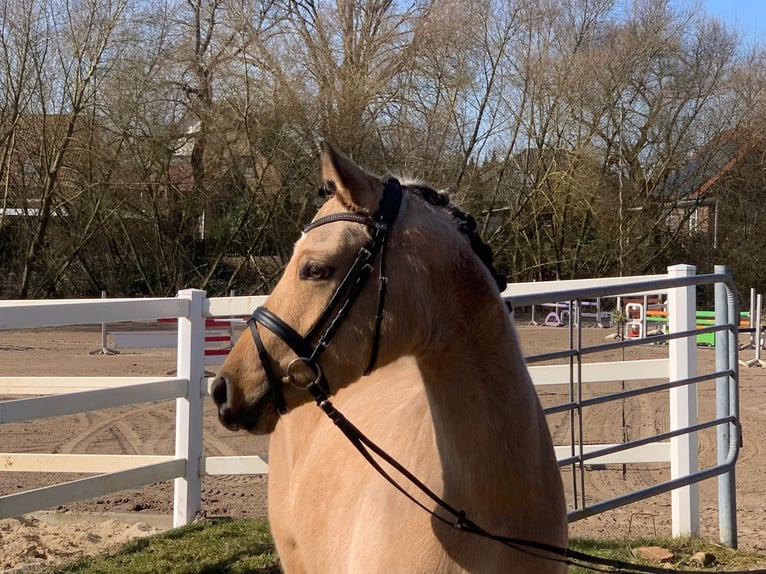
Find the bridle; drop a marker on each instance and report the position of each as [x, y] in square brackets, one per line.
[339, 305]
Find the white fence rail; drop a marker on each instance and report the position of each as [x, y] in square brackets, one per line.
[66, 395]
[69, 395]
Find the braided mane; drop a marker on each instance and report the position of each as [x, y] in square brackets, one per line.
[466, 224]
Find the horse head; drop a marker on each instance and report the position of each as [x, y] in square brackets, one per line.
[334, 315]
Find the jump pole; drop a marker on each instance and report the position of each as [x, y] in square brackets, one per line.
[104, 350]
[752, 320]
[756, 361]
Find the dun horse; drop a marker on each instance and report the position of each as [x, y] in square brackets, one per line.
[424, 360]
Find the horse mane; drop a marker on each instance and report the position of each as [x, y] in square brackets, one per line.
[466, 224]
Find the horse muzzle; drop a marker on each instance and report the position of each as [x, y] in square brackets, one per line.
[258, 417]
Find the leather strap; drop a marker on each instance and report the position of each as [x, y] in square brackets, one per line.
[263, 356]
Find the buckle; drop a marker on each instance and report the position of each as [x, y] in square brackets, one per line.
[289, 378]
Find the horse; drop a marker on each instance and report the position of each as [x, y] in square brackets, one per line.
[423, 359]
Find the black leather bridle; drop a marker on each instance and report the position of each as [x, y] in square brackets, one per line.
[339, 305]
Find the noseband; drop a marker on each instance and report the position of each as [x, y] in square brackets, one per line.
[339, 305]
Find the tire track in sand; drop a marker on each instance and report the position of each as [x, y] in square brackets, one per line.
[127, 438]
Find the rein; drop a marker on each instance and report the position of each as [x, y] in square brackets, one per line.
[340, 304]
[459, 520]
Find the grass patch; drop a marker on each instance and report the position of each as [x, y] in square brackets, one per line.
[229, 546]
[682, 548]
[222, 546]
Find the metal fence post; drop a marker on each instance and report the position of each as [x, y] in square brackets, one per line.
[187, 499]
[683, 403]
[727, 494]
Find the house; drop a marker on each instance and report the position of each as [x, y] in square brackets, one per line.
[689, 189]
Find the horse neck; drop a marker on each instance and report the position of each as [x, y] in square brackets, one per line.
[485, 411]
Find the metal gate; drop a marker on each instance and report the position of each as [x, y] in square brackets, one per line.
[578, 368]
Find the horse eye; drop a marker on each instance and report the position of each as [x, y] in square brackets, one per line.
[313, 271]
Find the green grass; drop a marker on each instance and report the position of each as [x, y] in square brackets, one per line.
[242, 546]
[212, 546]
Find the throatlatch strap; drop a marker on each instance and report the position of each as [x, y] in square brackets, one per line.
[390, 204]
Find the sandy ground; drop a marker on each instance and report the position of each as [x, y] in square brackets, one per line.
[92, 525]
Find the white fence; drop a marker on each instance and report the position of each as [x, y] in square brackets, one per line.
[67, 395]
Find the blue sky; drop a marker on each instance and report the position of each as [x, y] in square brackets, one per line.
[747, 16]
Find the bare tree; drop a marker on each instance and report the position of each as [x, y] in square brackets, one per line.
[18, 38]
[637, 92]
[67, 67]
[167, 144]
[353, 51]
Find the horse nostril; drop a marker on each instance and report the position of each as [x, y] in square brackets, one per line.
[218, 391]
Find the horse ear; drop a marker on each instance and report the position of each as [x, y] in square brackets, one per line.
[354, 187]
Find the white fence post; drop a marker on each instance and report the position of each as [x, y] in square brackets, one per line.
[682, 311]
[187, 499]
